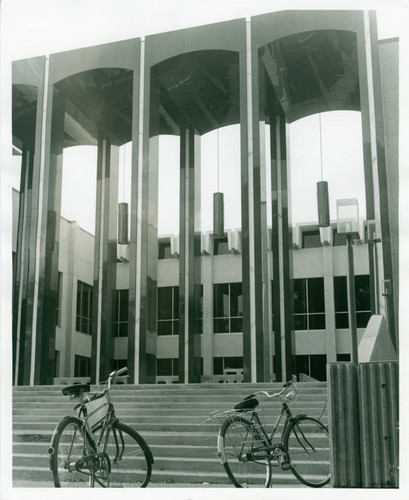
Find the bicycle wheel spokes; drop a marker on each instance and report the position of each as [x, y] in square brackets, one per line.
[69, 450]
[308, 447]
[239, 442]
[130, 465]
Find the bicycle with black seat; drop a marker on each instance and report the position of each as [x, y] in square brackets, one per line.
[248, 452]
[95, 449]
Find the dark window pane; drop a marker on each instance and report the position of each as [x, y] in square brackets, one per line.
[302, 364]
[316, 321]
[199, 326]
[236, 299]
[300, 322]
[220, 246]
[362, 293]
[221, 300]
[217, 366]
[165, 303]
[164, 366]
[340, 294]
[175, 291]
[318, 363]
[236, 324]
[343, 357]
[235, 362]
[123, 305]
[165, 250]
[311, 239]
[175, 327]
[122, 329]
[175, 366]
[220, 325]
[300, 302]
[362, 319]
[165, 327]
[316, 301]
[341, 320]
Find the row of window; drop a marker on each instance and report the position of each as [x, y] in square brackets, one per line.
[309, 239]
[313, 365]
[309, 307]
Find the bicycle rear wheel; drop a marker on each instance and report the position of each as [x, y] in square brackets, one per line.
[307, 442]
[130, 458]
[69, 447]
[237, 441]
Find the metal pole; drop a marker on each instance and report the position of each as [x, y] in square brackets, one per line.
[351, 301]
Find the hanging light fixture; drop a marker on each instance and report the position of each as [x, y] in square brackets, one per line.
[322, 194]
[218, 201]
[123, 211]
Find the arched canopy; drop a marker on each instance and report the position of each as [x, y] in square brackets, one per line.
[201, 87]
[97, 100]
[313, 71]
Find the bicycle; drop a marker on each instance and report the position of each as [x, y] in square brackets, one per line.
[248, 453]
[95, 449]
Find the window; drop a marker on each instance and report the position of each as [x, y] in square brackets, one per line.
[164, 250]
[343, 357]
[199, 308]
[117, 364]
[121, 313]
[311, 239]
[229, 362]
[227, 308]
[168, 310]
[84, 308]
[82, 366]
[220, 245]
[362, 301]
[167, 366]
[59, 298]
[313, 365]
[309, 304]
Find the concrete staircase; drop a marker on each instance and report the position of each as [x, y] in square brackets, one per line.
[169, 417]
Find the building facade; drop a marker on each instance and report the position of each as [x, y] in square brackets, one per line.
[261, 302]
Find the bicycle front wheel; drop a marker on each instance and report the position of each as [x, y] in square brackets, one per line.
[68, 448]
[307, 443]
[239, 445]
[130, 458]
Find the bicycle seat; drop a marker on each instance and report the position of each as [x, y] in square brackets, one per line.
[247, 404]
[76, 390]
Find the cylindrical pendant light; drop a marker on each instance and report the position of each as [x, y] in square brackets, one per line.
[218, 202]
[218, 214]
[323, 204]
[122, 223]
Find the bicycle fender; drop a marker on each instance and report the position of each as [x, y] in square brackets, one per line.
[298, 417]
[61, 423]
[220, 449]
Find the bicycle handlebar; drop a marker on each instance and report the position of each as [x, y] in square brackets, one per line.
[276, 394]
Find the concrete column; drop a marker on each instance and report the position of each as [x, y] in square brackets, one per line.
[189, 259]
[104, 259]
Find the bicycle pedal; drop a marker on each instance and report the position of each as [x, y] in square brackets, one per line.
[285, 466]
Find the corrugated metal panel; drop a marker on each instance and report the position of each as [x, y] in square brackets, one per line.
[344, 425]
[379, 411]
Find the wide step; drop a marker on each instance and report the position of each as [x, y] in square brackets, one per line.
[170, 418]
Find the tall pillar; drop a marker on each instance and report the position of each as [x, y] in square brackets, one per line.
[189, 257]
[281, 250]
[104, 259]
[377, 205]
[37, 256]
